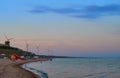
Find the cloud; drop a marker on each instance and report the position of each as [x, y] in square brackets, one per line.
[91, 11]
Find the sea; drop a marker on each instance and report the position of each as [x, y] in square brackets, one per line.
[76, 68]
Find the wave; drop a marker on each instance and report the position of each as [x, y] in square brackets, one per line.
[40, 73]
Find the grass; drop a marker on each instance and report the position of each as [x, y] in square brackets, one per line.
[10, 50]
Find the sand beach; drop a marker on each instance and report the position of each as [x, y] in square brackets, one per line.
[10, 69]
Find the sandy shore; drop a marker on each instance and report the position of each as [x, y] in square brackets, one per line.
[9, 69]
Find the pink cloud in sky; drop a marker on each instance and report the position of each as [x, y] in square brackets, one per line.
[67, 47]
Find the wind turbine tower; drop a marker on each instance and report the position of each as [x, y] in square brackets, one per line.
[7, 42]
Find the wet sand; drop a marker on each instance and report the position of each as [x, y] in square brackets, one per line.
[10, 69]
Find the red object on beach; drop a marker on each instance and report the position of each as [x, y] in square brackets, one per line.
[22, 58]
[15, 57]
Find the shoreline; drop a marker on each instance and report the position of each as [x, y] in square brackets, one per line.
[9, 69]
[33, 75]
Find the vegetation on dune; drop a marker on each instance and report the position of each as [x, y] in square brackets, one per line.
[11, 50]
[8, 51]
[7, 47]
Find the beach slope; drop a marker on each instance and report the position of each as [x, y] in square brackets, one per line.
[9, 69]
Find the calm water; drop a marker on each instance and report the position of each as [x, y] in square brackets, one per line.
[77, 68]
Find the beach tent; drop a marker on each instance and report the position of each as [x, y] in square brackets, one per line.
[28, 57]
[2, 55]
[35, 57]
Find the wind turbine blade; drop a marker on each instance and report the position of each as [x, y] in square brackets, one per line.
[6, 37]
[10, 38]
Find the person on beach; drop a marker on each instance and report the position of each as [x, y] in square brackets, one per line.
[14, 57]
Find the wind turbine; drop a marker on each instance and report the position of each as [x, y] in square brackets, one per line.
[27, 46]
[50, 51]
[38, 49]
[7, 42]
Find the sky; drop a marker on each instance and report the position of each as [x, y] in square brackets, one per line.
[79, 28]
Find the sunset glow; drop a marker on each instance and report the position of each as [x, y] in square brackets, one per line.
[68, 27]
